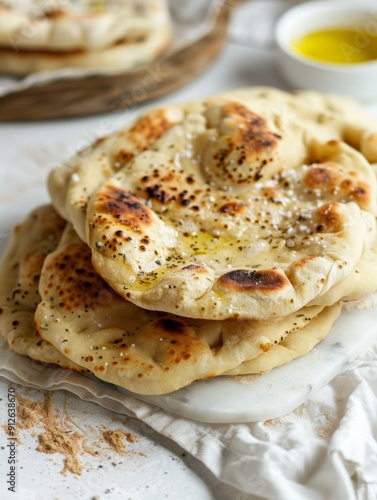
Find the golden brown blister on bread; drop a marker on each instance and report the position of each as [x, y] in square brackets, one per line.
[247, 141]
[71, 184]
[147, 227]
[253, 180]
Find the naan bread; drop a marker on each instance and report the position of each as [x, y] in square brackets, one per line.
[360, 283]
[296, 344]
[122, 56]
[291, 116]
[74, 25]
[224, 215]
[147, 352]
[71, 184]
[325, 116]
[166, 237]
[20, 270]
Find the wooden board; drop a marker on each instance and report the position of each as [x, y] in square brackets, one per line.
[96, 94]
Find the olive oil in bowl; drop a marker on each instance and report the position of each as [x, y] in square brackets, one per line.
[337, 46]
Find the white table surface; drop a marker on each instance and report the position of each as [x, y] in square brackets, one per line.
[154, 467]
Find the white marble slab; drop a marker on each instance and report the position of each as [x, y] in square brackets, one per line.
[262, 397]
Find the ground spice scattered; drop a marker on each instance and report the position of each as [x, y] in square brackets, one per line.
[72, 464]
[32, 413]
[116, 438]
[55, 438]
[61, 441]
[131, 438]
[60, 435]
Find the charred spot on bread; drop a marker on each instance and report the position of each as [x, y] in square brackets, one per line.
[121, 207]
[245, 280]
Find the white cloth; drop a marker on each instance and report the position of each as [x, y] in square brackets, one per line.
[325, 449]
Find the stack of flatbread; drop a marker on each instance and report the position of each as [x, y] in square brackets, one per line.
[215, 238]
[40, 35]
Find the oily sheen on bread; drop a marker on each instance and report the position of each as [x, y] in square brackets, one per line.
[166, 236]
[147, 352]
[228, 210]
[214, 238]
[74, 25]
[20, 270]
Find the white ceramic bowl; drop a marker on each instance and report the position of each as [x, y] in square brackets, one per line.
[356, 80]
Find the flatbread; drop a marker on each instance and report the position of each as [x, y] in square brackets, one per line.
[147, 352]
[122, 56]
[71, 184]
[20, 270]
[360, 283]
[292, 116]
[201, 190]
[325, 116]
[73, 25]
[295, 345]
[166, 238]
